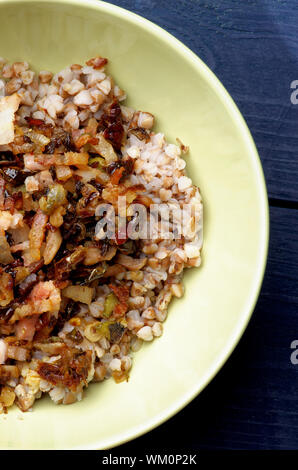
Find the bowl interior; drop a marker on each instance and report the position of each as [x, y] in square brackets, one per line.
[163, 77]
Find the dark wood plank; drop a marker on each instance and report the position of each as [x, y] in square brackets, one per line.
[253, 402]
[253, 49]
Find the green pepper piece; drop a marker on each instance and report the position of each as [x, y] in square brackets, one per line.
[55, 198]
[110, 303]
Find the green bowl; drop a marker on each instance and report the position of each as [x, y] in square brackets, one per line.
[162, 76]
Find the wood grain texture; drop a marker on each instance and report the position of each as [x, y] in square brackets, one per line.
[253, 402]
[252, 47]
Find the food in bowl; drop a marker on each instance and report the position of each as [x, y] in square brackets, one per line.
[97, 222]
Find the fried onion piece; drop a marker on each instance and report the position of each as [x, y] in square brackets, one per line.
[36, 235]
[8, 106]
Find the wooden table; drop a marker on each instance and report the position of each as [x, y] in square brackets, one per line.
[252, 46]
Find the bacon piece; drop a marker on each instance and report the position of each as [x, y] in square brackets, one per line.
[37, 233]
[44, 297]
[43, 161]
[14, 351]
[25, 328]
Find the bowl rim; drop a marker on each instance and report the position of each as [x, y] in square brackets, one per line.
[236, 116]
